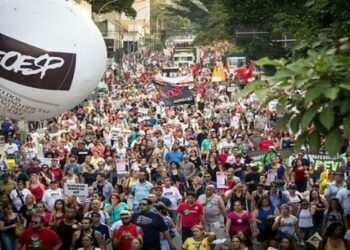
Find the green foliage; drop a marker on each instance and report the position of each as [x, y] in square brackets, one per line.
[315, 92]
[313, 85]
[121, 6]
[207, 18]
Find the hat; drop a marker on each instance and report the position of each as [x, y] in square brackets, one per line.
[125, 214]
[271, 147]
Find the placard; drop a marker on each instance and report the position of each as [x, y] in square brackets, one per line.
[122, 166]
[78, 189]
[46, 161]
[143, 111]
[221, 178]
[115, 132]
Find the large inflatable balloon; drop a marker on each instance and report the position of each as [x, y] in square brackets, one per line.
[52, 56]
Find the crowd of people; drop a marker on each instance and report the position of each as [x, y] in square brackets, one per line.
[171, 183]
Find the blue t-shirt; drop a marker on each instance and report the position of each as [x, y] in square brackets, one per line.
[141, 191]
[176, 156]
[115, 212]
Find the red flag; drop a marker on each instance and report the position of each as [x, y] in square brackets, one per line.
[249, 72]
[240, 71]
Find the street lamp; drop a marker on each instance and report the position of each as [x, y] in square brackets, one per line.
[113, 1]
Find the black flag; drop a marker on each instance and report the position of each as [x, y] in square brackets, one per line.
[174, 95]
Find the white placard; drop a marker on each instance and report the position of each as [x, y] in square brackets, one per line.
[122, 166]
[230, 89]
[221, 178]
[46, 161]
[143, 111]
[78, 189]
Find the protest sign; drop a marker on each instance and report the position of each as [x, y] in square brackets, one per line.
[221, 178]
[143, 111]
[115, 132]
[46, 161]
[77, 189]
[122, 166]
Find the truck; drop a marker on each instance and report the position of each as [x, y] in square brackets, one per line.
[184, 53]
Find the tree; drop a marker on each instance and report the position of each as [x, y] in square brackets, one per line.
[262, 16]
[312, 86]
[207, 19]
[121, 6]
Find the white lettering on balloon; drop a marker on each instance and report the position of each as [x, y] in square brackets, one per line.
[28, 65]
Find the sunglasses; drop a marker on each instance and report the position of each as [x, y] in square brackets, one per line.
[35, 222]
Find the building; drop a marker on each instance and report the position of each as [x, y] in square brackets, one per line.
[138, 28]
[112, 31]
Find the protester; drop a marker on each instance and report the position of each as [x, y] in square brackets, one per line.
[200, 239]
[152, 225]
[126, 232]
[38, 236]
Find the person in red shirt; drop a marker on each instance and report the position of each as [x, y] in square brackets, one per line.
[39, 237]
[56, 171]
[224, 155]
[300, 175]
[189, 213]
[126, 232]
[265, 143]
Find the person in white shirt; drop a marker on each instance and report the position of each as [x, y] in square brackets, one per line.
[52, 194]
[173, 194]
[19, 195]
[10, 148]
[344, 199]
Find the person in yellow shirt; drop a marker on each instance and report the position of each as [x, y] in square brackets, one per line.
[326, 182]
[324, 173]
[200, 240]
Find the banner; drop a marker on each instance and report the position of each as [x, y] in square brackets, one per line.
[77, 189]
[174, 95]
[329, 162]
[187, 79]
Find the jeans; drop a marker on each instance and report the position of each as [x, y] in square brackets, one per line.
[164, 245]
[9, 240]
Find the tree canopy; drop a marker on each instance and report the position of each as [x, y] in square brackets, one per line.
[312, 86]
[121, 6]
